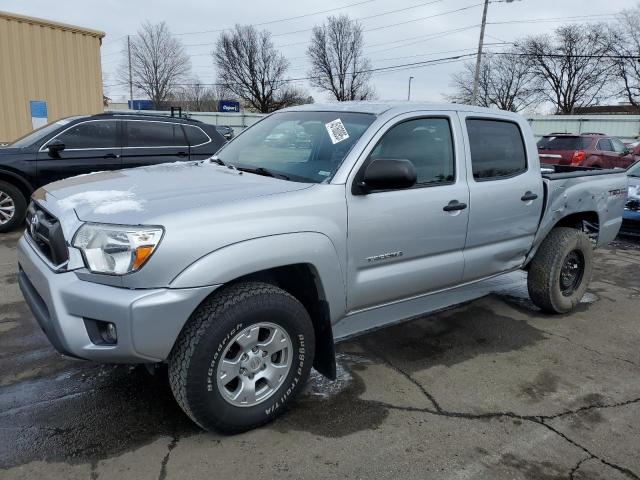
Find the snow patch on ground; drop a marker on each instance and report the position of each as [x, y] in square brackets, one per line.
[104, 201]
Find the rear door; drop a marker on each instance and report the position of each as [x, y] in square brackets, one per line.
[608, 156]
[90, 146]
[625, 158]
[403, 243]
[506, 194]
[148, 142]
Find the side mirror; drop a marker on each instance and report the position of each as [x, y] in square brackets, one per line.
[388, 174]
[55, 147]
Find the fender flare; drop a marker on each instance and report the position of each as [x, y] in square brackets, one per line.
[263, 253]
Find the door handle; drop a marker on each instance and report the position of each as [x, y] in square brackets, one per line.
[527, 197]
[454, 205]
[111, 155]
[182, 154]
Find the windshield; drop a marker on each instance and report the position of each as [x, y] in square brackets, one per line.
[563, 143]
[634, 170]
[38, 134]
[301, 146]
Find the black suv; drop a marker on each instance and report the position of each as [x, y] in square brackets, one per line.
[109, 141]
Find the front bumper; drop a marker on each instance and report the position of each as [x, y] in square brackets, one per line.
[630, 222]
[148, 321]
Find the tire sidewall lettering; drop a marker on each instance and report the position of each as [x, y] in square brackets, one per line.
[211, 371]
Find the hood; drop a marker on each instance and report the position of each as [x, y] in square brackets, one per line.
[141, 195]
[9, 150]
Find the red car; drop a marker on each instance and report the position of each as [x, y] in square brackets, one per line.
[592, 150]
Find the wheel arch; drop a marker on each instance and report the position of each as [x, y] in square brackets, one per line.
[304, 264]
[587, 221]
[18, 181]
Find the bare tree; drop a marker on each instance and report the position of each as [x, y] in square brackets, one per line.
[158, 62]
[572, 67]
[195, 97]
[505, 82]
[338, 65]
[626, 46]
[249, 66]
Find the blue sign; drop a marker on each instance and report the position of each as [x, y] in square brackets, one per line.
[39, 115]
[228, 106]
[140, 104]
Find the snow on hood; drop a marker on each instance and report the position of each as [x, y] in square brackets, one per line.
[103, 201]
[139, 195]
[634, 192]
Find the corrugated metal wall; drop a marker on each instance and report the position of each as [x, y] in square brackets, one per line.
[42, 60]
[626, 127]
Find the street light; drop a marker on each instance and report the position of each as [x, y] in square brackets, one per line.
[409, 92]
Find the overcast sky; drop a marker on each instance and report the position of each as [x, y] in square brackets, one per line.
[390, 38]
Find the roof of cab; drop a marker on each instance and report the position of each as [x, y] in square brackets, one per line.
[378, 108]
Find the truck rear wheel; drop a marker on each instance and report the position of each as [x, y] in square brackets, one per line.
[560, 270]
[244, 355]
[13, 207]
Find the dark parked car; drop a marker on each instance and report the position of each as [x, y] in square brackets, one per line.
[631, 215]
[225, 130]
[592, 150]
[77, 145]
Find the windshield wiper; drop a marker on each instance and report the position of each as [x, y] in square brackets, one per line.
[264, 172]
[221, 162]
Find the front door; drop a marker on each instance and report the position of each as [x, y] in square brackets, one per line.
[506, 194]
[90, 146]
[404, 243]
[149, 142]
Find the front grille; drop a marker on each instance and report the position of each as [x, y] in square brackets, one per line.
[46, 233]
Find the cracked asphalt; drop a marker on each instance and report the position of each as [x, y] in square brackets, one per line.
[491, 389]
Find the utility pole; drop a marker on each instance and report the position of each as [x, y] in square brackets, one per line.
[130, 76]
[409, 92]
[476, 77]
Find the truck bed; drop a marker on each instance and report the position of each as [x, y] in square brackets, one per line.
[574, 190]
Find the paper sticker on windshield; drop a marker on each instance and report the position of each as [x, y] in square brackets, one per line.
[336, 130]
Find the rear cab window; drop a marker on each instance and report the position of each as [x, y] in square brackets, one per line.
[497, 149]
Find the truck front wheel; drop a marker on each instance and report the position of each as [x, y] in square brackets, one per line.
[560, 270]
[245, 353]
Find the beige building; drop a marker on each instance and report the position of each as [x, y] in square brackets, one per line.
[48, 70]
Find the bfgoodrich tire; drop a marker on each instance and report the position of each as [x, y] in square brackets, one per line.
[245, 353]
[560, 271]
[13, 207]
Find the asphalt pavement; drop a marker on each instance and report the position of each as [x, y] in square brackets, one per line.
[493, 389]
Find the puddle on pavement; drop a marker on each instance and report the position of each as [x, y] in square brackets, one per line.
[334, 409]
[98, 412]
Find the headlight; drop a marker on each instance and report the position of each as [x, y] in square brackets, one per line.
[116, 249]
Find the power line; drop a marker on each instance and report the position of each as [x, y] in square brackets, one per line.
[270, 22]
[368, 70]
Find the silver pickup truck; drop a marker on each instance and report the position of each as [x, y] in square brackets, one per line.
[317, 223]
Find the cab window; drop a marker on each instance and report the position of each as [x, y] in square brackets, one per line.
[88, 135]
[425, 142]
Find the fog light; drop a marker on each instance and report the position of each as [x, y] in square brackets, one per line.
[109, 332]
